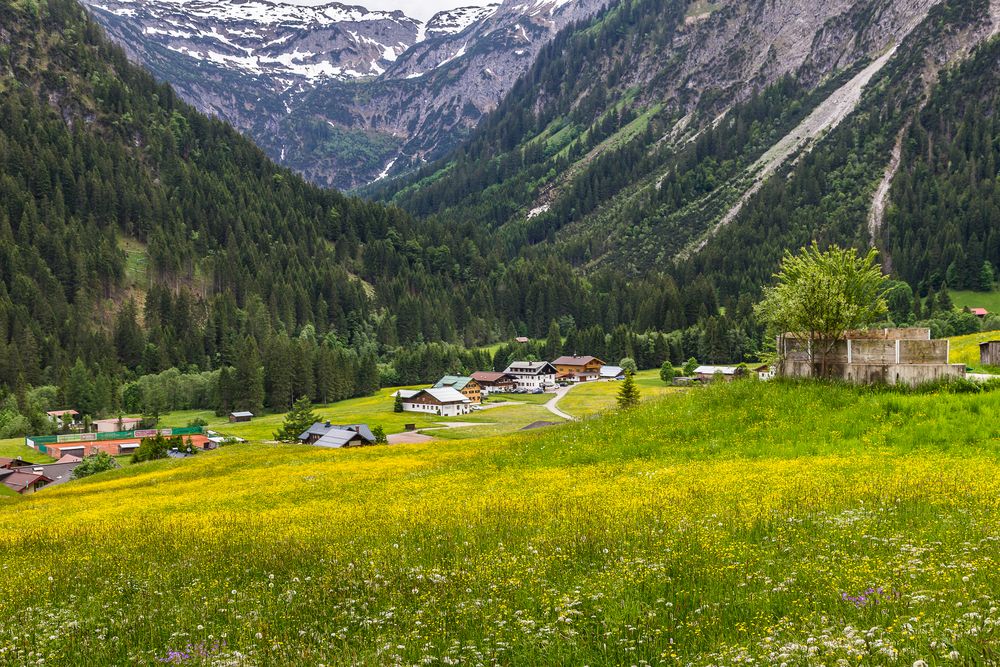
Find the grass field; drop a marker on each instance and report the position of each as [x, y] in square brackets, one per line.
[988, 300]
[747, 522]
[965, 349]
[596, 397]
[14, 447]
[372, 410]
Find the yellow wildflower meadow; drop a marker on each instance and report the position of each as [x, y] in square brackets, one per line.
[769, 523]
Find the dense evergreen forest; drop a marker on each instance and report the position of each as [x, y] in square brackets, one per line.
[597, 171]
[151, 259]
[138, 237]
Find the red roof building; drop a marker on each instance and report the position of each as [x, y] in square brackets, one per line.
[24, 483]
[122, 447]
[979, 312]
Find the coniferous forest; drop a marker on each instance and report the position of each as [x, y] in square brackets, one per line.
[153, 259]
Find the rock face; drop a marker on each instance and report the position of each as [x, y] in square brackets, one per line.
[342, 94]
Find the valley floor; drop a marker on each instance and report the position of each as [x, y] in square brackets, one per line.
[752, 522]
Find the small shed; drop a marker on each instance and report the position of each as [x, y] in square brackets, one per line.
[989, 353]
[240, 416]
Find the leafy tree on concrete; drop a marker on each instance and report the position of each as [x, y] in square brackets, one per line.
[99, 462]
[667, 372]
[297, 421]
[689, 366]
[821, 295]
[628, 393]
[380, 437]
[628, 365]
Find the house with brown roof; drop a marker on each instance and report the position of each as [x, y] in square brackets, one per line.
[494, 383]
[63, 419]
[532, 375]
[13, 464]
[575, 368]
[24, 483]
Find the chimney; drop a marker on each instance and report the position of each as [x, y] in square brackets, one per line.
[357, 428]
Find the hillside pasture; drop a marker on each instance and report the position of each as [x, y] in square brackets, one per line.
[747, 522]
[595, 397]
[965, 349]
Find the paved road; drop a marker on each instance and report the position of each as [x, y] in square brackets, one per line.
[551, 406]
[417, 438]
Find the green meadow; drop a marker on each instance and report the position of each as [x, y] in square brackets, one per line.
[744, 523]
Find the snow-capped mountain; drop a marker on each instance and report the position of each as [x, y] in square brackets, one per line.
[342, 93]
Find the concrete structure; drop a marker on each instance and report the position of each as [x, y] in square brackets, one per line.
[494, 383]
[989, 353]
[531, 375]
[444, 401]
[467, 386]
[336, 436]
[120, 424]
[889, 356]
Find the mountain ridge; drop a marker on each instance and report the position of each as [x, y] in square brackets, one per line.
[342, 94]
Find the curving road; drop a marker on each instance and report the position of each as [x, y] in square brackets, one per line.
[551, 406]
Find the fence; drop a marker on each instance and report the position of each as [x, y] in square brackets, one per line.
[39, 441]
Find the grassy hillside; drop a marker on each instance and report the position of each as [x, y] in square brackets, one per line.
[965, 349]
[596, 397]
[377, 410]
[988, 300]
[14, 447]
[778, 522]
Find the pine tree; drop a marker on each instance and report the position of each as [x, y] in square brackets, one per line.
[628, 393]
[248, 378]
[297, 421]
[986, 277]
[397, 405]
[553, 342]
[80, 392]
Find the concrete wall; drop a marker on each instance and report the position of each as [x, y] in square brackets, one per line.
[870, 351]
[889, 356]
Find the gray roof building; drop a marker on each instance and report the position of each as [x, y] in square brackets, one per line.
[334, 436]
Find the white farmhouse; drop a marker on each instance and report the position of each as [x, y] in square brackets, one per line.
[443, 401]
[532, 375]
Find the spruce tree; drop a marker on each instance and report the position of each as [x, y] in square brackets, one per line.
[297, 421]
[628, 393]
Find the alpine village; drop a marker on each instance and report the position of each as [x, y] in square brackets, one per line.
[499, 332]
